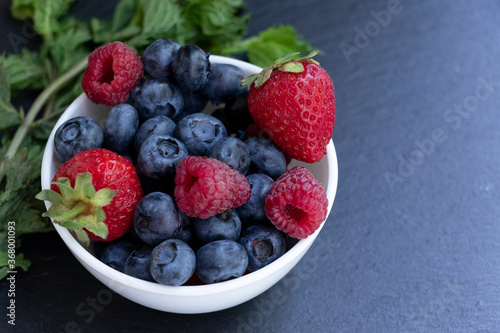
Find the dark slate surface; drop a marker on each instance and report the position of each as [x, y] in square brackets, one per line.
[413, 242]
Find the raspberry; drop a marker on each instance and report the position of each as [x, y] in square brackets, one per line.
[297, 203]
[205, 187]
[112, 72]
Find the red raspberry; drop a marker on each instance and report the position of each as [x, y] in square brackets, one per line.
[112, 72]
[297, 203]
[205, 187]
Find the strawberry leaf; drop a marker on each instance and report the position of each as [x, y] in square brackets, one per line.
[49, 195]
[263, 77]
[103, 197]
[292, 67]
[82, 236]
[284, 59]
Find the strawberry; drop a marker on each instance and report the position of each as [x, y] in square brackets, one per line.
[94, 194]
[293, 101]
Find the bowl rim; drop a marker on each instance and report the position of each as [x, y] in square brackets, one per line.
[197, 290]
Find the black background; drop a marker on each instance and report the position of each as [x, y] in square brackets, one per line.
[413, 240]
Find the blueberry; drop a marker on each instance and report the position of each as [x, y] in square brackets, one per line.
[191, 67]
[159, 156]
[193, 103]
[226, 225]
[236, 111]
[138, 263]
[199, 132]
[150, 185]
[253, 211]
[158, 125]
[158, 56]
[187, 236]
[115, 254]
[158, 98]
[133, 93]
[219, 114]
[221, 260]
[224, 81]
[263, 245]
[172, 262]
[266, 157]
[233, 152]
[120, 127]
[75, 135]
[157, 218]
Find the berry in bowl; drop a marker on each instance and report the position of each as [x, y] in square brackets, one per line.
[180, 187]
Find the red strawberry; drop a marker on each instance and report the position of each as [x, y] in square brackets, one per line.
[94, 194]
[294, 102]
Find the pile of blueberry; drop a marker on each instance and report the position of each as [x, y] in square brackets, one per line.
[185, 105]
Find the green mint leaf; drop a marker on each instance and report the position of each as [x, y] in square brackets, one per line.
[22, 9]
[67, 46]
[215, 24]
[28, 217]
[26, 70]
[272, 43]
[46, 15]
[3, 272]
[18, 170]
[125, 12]
[20, 260]
[160, 16]
[9, 115]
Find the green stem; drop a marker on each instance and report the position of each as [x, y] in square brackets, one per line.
[35, 108]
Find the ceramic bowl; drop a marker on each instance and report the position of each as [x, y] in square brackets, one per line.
[186, 299]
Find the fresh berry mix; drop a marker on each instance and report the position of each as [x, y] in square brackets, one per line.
[199, 132]
[159, 125]
[221, 260]
[116, 253]
[157, 98]
[120, 128]
[205, 187]
[172, 262]
[233, 152]
[226, 225]
[157, 218]
[185, 182]
[297, 203]
[112, 72]
[75, 135]
[138, 262]
[294, 102]
[263, 245]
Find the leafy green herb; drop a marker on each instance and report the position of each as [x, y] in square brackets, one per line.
[54, 72]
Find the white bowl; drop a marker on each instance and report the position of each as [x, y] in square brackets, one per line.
[186, 299]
